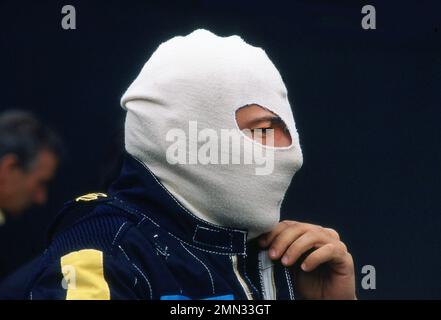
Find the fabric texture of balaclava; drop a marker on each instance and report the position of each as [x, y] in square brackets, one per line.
[205, 78]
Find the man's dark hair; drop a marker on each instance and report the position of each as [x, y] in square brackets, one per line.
[24, 136]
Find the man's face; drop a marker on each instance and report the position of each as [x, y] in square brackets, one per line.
[21, 188]
[253, 117]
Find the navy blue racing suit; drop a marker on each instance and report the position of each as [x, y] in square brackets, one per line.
[138, 242]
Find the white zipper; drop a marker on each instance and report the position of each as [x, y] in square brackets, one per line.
[266, 269]
[242, 282]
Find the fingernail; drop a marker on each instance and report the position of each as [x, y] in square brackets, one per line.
[303, 266]
[285, 260]
[272, 253]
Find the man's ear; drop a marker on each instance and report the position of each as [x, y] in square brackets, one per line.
[9, 163]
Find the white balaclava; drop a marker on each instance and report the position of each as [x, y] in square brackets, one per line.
[203, 78]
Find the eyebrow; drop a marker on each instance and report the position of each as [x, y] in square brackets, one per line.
[272, 118]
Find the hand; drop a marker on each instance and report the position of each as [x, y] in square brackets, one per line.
[327, 271]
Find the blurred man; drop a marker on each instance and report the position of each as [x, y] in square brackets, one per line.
[29, 156]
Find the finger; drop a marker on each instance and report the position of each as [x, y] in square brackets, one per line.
[268, 238]
[309, 240]
[330, 252]
[332, 233]
[284, 239]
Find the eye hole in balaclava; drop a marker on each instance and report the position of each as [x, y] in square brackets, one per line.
[256, 122]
